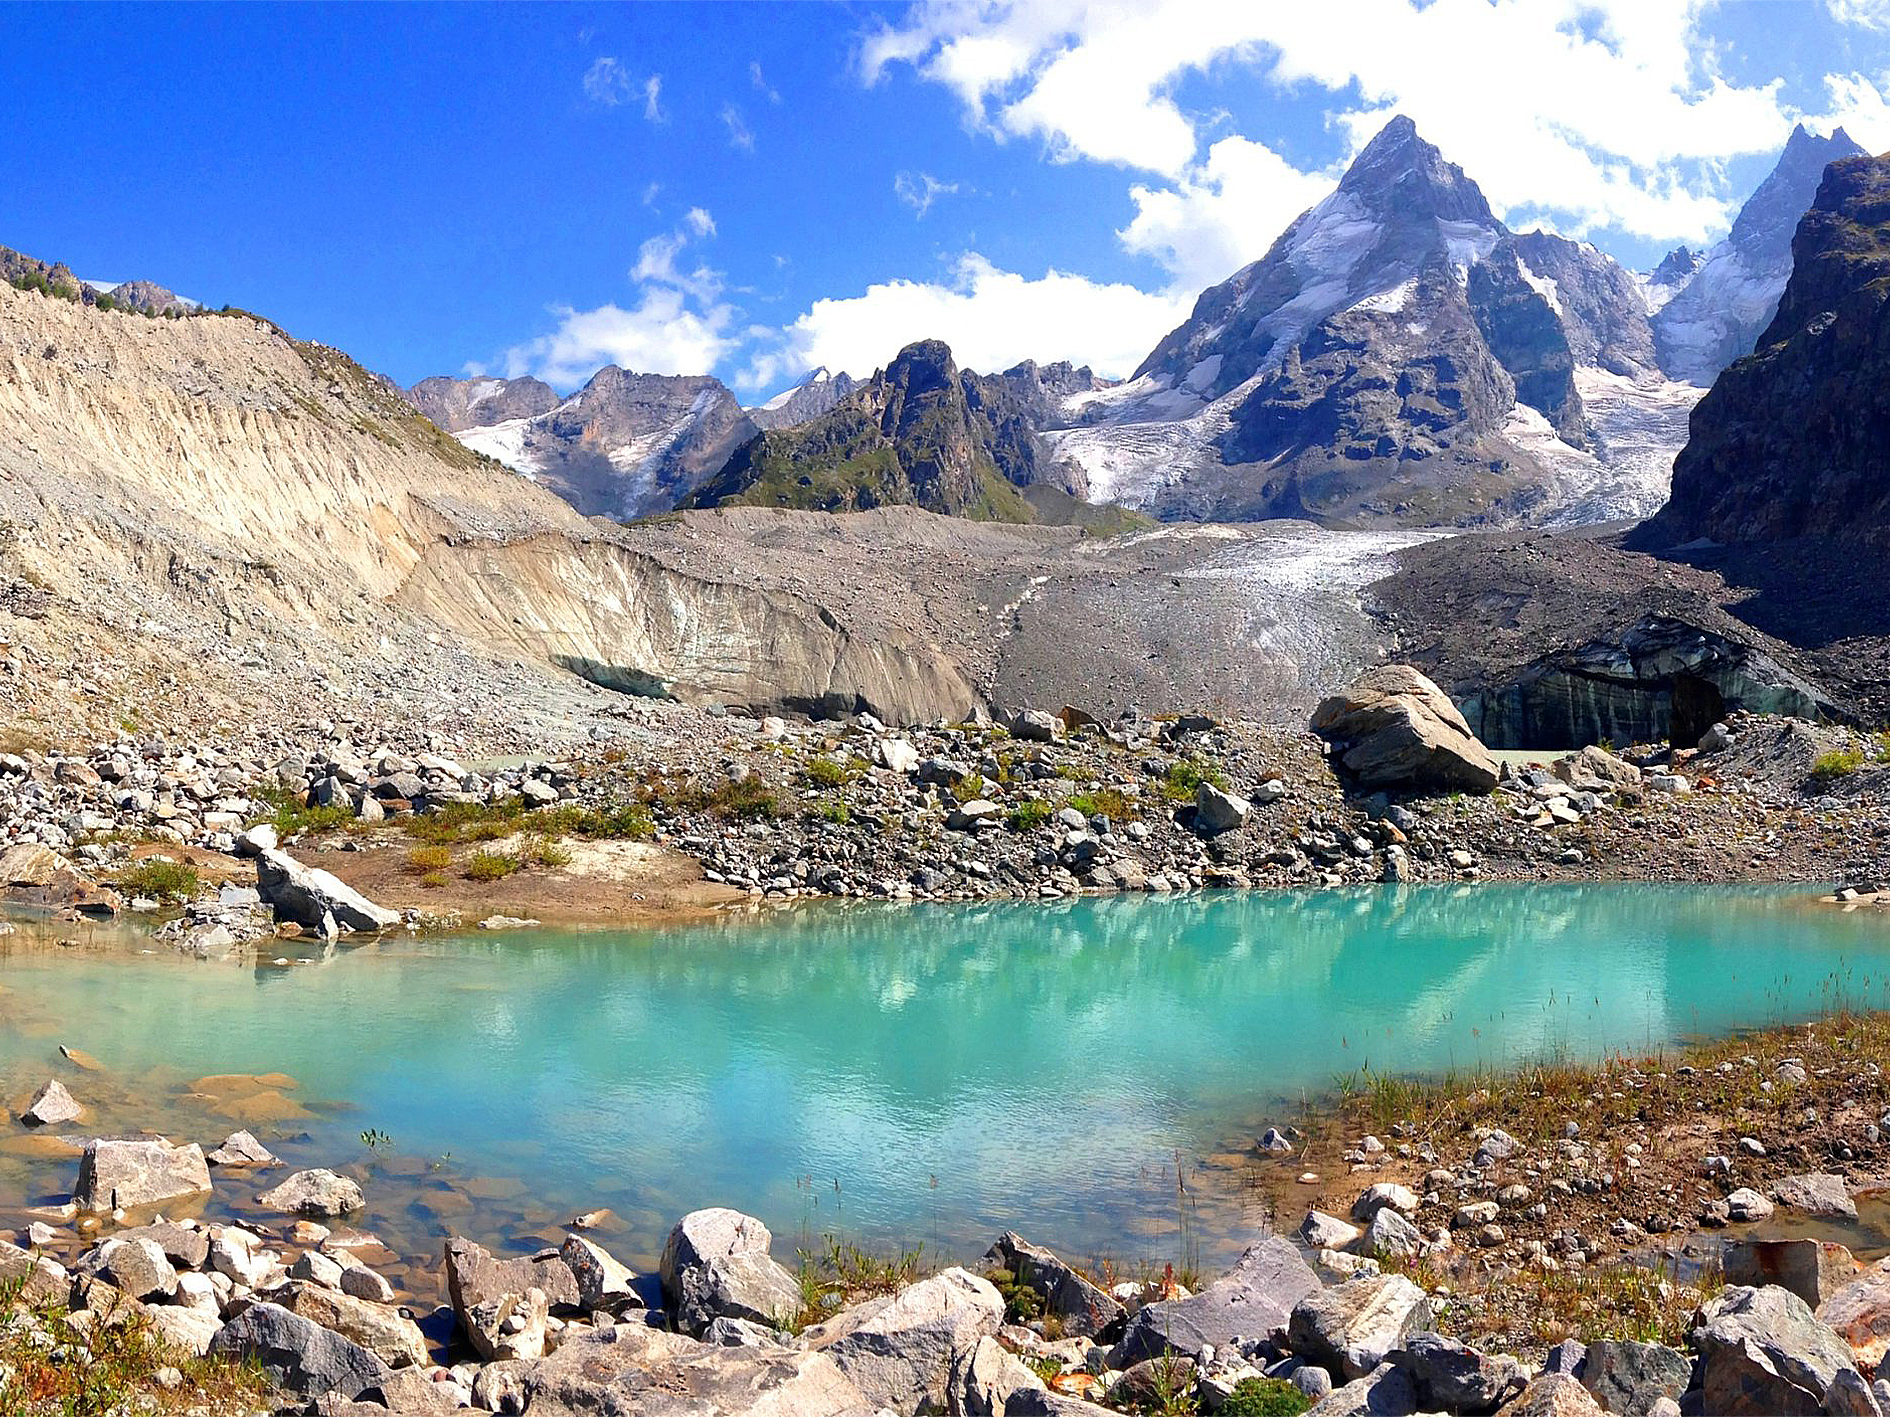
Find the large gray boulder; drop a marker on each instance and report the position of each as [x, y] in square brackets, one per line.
[319, 1194]
[502, 1304]
[1251, 1300]
[297, 1355]
[635, 1369]
[1860, 1314]
[138, 1267]
[1763, 1352]
[1554, 1395]
[1817, 1193]
[716, 1264]
[380, 1328]
[1352, 1327]
[1386, 1391]
[603, 1282]
[900, 1350]
[1457, 1378]
[1395, 728]
[115, 1175]
[1082, 1308]
[986, 1378]
[311, 897]
[1629, 1378]
[51, 1105]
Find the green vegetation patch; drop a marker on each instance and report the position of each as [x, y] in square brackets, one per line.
[160, 879]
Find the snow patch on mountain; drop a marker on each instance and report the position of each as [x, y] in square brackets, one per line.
[1635, 429]
[504, 442]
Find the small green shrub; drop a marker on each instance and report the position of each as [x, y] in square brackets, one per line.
[546, 851]
[1028, 816]
[1186, 775]
[1021, 1302]
[160, 879]
[291, 816]
[1841, 762]
[827, 774]
[1265, 1397]
[835, 812]
[491, 866]
[1109, 802]
[430, 858]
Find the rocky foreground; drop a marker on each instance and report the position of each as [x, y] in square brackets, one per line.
[1350, 1319]
[1389, 786]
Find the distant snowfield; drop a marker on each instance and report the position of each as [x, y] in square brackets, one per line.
[503, 442]
[1637, 430]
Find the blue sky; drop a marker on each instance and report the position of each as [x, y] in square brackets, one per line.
[437, 188]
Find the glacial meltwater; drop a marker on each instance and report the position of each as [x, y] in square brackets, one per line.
[887, 1074]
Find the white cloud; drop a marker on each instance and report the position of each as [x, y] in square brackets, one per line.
[739, 137]
[991, 318]
[760, 82]
[1223, 214]
[1867, 14]
[1594, 113]
[606, 82]
[919, 190]
[678, 324]
[653, 99]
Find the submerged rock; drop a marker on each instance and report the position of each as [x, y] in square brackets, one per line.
[320, 1193]
[126, 1174]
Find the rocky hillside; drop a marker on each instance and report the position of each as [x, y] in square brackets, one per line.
[1716, 315]
[817, 391]
[1789, 441]
[56, 278]
[624, 446]
[1399, 355]
[921, 432]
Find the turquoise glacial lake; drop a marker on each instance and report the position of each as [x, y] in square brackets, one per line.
[896, 1074]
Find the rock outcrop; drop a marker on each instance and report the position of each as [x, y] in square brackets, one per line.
[1395, 728]
[920, 432]
[716, 1265]
[124, 1175]
[1256, 1296]
[1788, 443]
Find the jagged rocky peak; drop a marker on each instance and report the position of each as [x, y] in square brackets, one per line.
[1789, 441]
[920, 432]
[144, 296]
[1676, 266]
[625, 445]
[812, 395]
[1715, 317]
[480, 401]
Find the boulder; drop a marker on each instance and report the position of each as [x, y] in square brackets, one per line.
[127, 1174]
[186, 1331]
[502, 1304]
[900, 1350]
[1746, 1205]
[309, 896]
[185, 1246]
[1391, 1234]
[1386, 1193]
[51, 1105]
[1352, 1327]
[1386, 1391]
[1249, 1301]
[319, 1194]
[1395, 728]
[1036, 726]
[1216, 811]
[1597, 770]
[1762, 1351]
[1860, 1314]
[716, 1263]
[1816, 1194]
[138, 1267]
[1812, 1269]
[633, 1368]
[1456, 1378]
[602, 1282]
[1628, 1378]
[384, 1331]
[1082, 1308]
[1554, 1395]
[985, 1378]
[297, 1355]
[1319, 1231]
[31, 874]
[242, 1149]
[895, 755]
